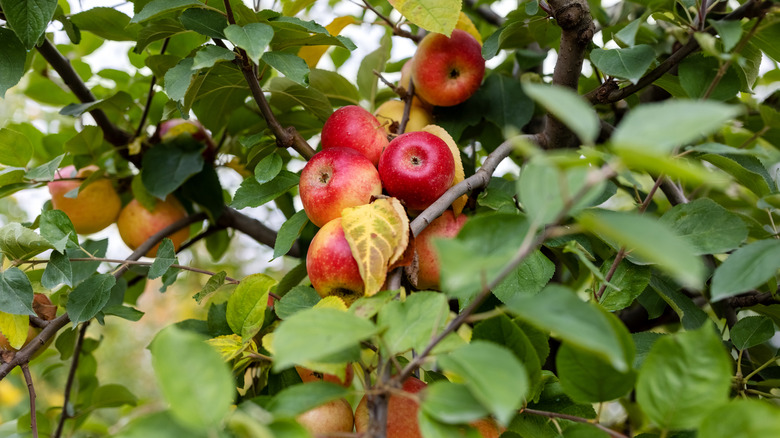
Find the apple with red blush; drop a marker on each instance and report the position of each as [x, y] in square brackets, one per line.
[332, 269]
[445, 226]
[355, 128]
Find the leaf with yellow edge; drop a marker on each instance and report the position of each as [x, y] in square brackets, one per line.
[465, 23]
[433, 15]
[14, 328]
[378, 234]
[460, 174]
[312, 54]
[230, 346]
[332, 302]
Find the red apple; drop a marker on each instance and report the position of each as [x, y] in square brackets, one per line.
[170, 129]
[445, 226]
[96, 206]
[447, 71]
[417, 168]
[401, 412]
[335, 179]
[137, 224]
[332, 417]
[488, 428]
[355, 128]
[331, 267]
[308, 375]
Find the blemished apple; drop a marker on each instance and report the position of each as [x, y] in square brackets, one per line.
[96, 206]
[335, 179]
[332, 417]
[401, 412]
[172, 128]
[308, 375]
[355, 128]
[332, 269]
[417, 168]
[44, 309]
[391, 113]
[447, 71]
[445, 226]
[137, 224]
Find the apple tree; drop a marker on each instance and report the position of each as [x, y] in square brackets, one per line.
[615, 273]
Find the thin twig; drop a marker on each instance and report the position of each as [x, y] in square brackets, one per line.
[408, 101]
[725, 66]
[148, 105]
[611, 432]
[396, 30]
[31, 390]
[71, 378]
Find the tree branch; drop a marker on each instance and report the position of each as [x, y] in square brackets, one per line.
[71, 378]
[611, 432]
[486, 13]
[396, 30]
[150, 96]
[31, 390]
[253, 228]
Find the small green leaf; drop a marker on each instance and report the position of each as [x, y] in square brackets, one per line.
[214, 282]
[178, 78]
[210, 55]
[166, 166]
[107, 23]
[20, 243]
[289, 232]
[697, 73]
[287, 94]
[747, 268]
[166, 256]
[297, 299]
[631, 279]
[16, 150]
[568, 107]
[253, 194]
[268, 168]
[411, 324]
[367, 82]
[297, 399]
[452, 403]
[708, 227]
[89, 297]
[113, 396]
[28, 18]
[630, 63]
[12, 58]
[588, 378]
[529, 278]
[198, 406]
[205, 22]
[158, 424]
[745, 176]
[57, 228]
[742, 418]
[253, 37]
[438, 16]
[751, 331]
[246, 307]
[730, 32]
[46, 171]
[155, 8]
[58, 271]
[16, 292]
[290, 65]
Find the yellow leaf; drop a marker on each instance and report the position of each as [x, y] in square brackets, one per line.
[332, 302]
[460, 174]
[433, 15]
[465, 23]
[14, 328]
[378, 234]
[230, 346]
[312, 54]
[268, 342]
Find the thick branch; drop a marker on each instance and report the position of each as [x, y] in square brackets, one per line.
[254, 229]
[486, 13]
[31, 390]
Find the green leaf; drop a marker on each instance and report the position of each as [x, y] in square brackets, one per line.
[16, 292]
[178, 78]
[753, 181]
[286, 94]
[15, 148]
[156, 31]
[222, 91]
[246, 306]
[630, 63]
[198, 406]
[742, 418]
[507, 105]
[438, 16]
[46, 171]
[297, 399]
[648, 241]
[766, 40]
[166, 256]
[684, 377]
[367, 82]
[661, 127]
[452, 403]
[254, 38]
[697, 73]
[157, 425]
[89, 248]
[124, 312]
[588, 378]
[290, 232]
[708, 227]
[730, 32]
[155, 8]
[166, 166]
[290, 65]
[214, 282]
[631, 280]
[20, 243]
[297, 299]
[268, 168]
[89, 297]
[751, 331]
[568, 107]
[691, 315]
[492, 373]
[204, 21]
[107, 23]
[57, 228]
[529, 278]
[113, 396]
[314, 334]
[747, 268]
[253, 194]
[12, 58]
[87, 142]
[335, 87]
[210, 55]
[559, 311]
[411, 324]
[28, 18]
[58, 271]
[627, 34]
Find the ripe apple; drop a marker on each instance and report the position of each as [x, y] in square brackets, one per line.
[170, 129]
[332, 417]
[43, 307]
[391, 112]
[406, 82]
[445, 226]
[447, 71]
[355, 128]
[417, 168]
[137, 224]
[308, 375]
[488, 428]
[331, 267]
[401, 412]
[335, 179]
[96, 206]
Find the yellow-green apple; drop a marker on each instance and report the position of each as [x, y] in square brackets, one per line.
[417, 168]
[445, 226]
[308, 375]
[96, 206]
[447, 71]
[401, 412]
[406, 82]
[173, 128]
[137, 224]
[43, 307]
[332, 269]
[391, 113]
[332, 417]
[334, 179]
[355, 128]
